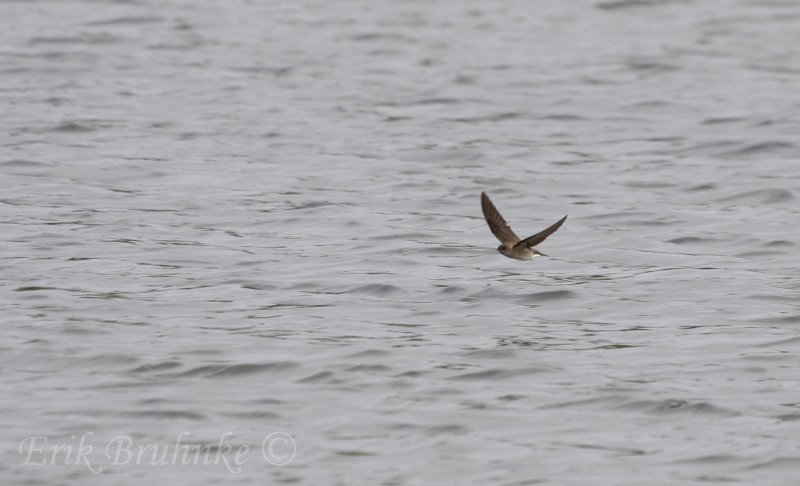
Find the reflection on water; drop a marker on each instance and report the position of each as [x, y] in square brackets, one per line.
[257, 227]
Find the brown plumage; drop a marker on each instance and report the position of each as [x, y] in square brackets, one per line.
[511, 246]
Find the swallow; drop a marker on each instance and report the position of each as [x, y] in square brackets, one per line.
[512, 246]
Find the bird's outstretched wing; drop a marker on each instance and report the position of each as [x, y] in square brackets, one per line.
[496, 222]
[539, 237]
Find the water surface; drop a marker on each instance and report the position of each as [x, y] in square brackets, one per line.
[225, 220]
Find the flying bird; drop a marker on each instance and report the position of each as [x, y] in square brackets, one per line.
[512, 246]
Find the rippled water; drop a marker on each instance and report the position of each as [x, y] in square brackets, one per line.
[226, 220]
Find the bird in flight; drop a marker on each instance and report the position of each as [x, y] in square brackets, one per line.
[511, 246]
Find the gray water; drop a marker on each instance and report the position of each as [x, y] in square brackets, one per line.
[254, 227]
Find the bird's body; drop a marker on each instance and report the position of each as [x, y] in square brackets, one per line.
[519, 253]
[511, 246]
